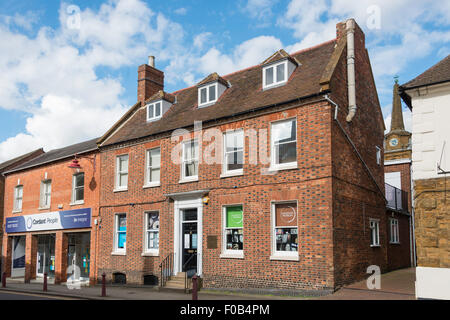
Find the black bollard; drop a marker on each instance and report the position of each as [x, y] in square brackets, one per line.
[4, 280]
[103, 285]
[45, 281]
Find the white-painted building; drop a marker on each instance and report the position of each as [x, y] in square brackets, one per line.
[428, 96]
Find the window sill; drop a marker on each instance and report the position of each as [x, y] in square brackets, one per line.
[152, 185]
[150, 254]
[232, 174]
[44, 208]
[394, 243]
[76, 203]
[375, 246]
[288, 166]
[285, 257]
[118, 253]
[187, 180]
[120, 190]
[17, 211]
[229, 255]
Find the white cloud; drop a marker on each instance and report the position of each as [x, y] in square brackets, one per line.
[259, 9]
[407, 120]
[181, 11]
[52, 76]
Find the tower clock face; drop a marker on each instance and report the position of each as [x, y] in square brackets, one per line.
[393, 142]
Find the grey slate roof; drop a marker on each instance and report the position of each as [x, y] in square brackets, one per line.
[58, 154]
[6, 164]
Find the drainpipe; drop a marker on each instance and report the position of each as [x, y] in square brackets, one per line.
[351, 69]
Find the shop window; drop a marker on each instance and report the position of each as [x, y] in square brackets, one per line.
[190, 160]
[394, 234]
[18, 196]
[119, 278]
[284, 145]
[285, 229]
[152, 232]
[122, 172]
[153, 167]
[46, 194]
[374, 233]
[233, 152]
[78, 189]
[233, 233]
[120, 238]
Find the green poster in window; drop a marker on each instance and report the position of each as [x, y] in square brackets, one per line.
[235, 217]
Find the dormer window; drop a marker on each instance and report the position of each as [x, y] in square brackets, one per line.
[275, 74]
[154, 111]
[208, 94]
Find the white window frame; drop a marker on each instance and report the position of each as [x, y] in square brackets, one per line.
[147, 250]
[227, 253]
[208, 101]
[394, 226]
[184, 178]
[240, 171]
[121, 173]
[282, 255]
[374, 225]
[116, 249]
[75, 187]
[283, 166]
[378, 155]
[276, 82]
[46, 194]
[16, 208]
[149, 167]
[153, 106]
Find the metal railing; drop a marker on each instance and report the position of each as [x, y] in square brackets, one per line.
[186, 278]
[396, 199]
[166, 267]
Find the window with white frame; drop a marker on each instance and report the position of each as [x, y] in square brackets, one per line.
[374, 233]
[394, 238]
[233, 152]
[233, 229]
[78, 188]
[284, 144]
[190, 160]
[46, 194]
[285, 228]
[122, 172]
[378, 155]
[208, 94]
[275, 74]
[154, 111]
[153, 166]
[120, 233]
[152, 232]
[18, 196]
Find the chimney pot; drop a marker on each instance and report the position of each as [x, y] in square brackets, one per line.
[151, 61]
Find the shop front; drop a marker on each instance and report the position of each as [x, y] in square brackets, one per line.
[59, 245]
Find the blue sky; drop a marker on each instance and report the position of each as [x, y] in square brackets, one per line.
[64, 65]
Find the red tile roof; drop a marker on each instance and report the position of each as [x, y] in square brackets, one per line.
[244, 95]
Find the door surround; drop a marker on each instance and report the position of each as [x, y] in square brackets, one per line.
[188, 200]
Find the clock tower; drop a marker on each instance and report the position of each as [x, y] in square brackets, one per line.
[397, 143]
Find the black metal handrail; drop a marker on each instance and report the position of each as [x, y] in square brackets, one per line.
[396, 199]
[166, 267]
[186, 282]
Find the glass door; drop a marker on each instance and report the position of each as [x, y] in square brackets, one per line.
[189, 239]
[46, 256]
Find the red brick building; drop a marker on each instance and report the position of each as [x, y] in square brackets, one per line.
[397, 168]
[50, 213]
[5, 166]
[308, 213]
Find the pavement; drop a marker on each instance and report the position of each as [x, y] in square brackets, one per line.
[396, 285]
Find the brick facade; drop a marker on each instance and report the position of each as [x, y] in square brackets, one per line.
[335, 192]
[61, 198]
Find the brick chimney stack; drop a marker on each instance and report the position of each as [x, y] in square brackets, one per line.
[150, 80]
